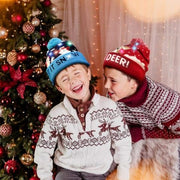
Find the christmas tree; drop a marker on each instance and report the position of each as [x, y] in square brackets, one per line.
[26, 94]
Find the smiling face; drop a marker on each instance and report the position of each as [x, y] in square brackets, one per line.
[74, 82]
[118, 84]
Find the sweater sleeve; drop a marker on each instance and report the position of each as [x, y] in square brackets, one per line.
[174, 125]
[121, 142]
[45, 150]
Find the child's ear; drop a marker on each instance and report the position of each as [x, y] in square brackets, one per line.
[89, 74]
[134, 84]
[59, 89]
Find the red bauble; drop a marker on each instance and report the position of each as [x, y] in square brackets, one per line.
[21, 57]
[2, 151]
[44, 43]
[16, 18]
[41, 118]
[47, 3]
[5, 100]
[35, 137]
[5, 67]
[11, 166]
[5, 130]
[28, 28]
[42, 33]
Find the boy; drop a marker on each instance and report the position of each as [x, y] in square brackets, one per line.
[151, 110]
[84, 126]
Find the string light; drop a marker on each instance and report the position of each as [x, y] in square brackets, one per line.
[69, 43]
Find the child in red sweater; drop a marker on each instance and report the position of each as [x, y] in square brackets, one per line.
[151, 110]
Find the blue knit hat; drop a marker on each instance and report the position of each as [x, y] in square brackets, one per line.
[60, 55]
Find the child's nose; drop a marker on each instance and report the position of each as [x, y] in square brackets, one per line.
[73, 80]
[106, 85]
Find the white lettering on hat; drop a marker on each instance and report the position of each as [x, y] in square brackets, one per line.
[108, 57]
[118, 59]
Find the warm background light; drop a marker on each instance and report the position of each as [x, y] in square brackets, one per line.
[153, 10]
[4, 3]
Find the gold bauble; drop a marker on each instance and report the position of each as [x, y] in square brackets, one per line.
[53, 32]
[12, 57]
[54, 9]
[36, 48]
[35, 21]
[26, 159]
[40, 98]
[3, 33]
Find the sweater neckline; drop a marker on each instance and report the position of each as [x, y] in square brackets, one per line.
[139, 97]
[75, 103]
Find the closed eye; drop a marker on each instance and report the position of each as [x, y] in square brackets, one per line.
[65, 79]
[113, 81]
[76, 72]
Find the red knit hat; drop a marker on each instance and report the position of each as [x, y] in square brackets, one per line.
[132, 59]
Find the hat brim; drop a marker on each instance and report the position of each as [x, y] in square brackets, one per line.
[63, 61]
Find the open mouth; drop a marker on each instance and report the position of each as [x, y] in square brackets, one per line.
[110, 94]
[77, 89]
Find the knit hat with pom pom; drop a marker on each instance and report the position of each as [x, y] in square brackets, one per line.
[132, 59]
[60, 55]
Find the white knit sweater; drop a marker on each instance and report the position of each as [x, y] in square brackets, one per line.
[79, 150]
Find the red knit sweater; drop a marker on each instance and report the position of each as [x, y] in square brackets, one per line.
[153, 112]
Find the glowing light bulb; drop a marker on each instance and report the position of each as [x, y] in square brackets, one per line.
[69, 43]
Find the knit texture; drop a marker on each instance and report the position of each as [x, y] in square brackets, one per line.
[60, 55]
[81, 149]
[156, 117]
[132, 59]
[153, 116]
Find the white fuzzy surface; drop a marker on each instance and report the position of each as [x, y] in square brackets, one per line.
[158, 156]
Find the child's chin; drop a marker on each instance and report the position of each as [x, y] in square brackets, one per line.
[114, 98]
